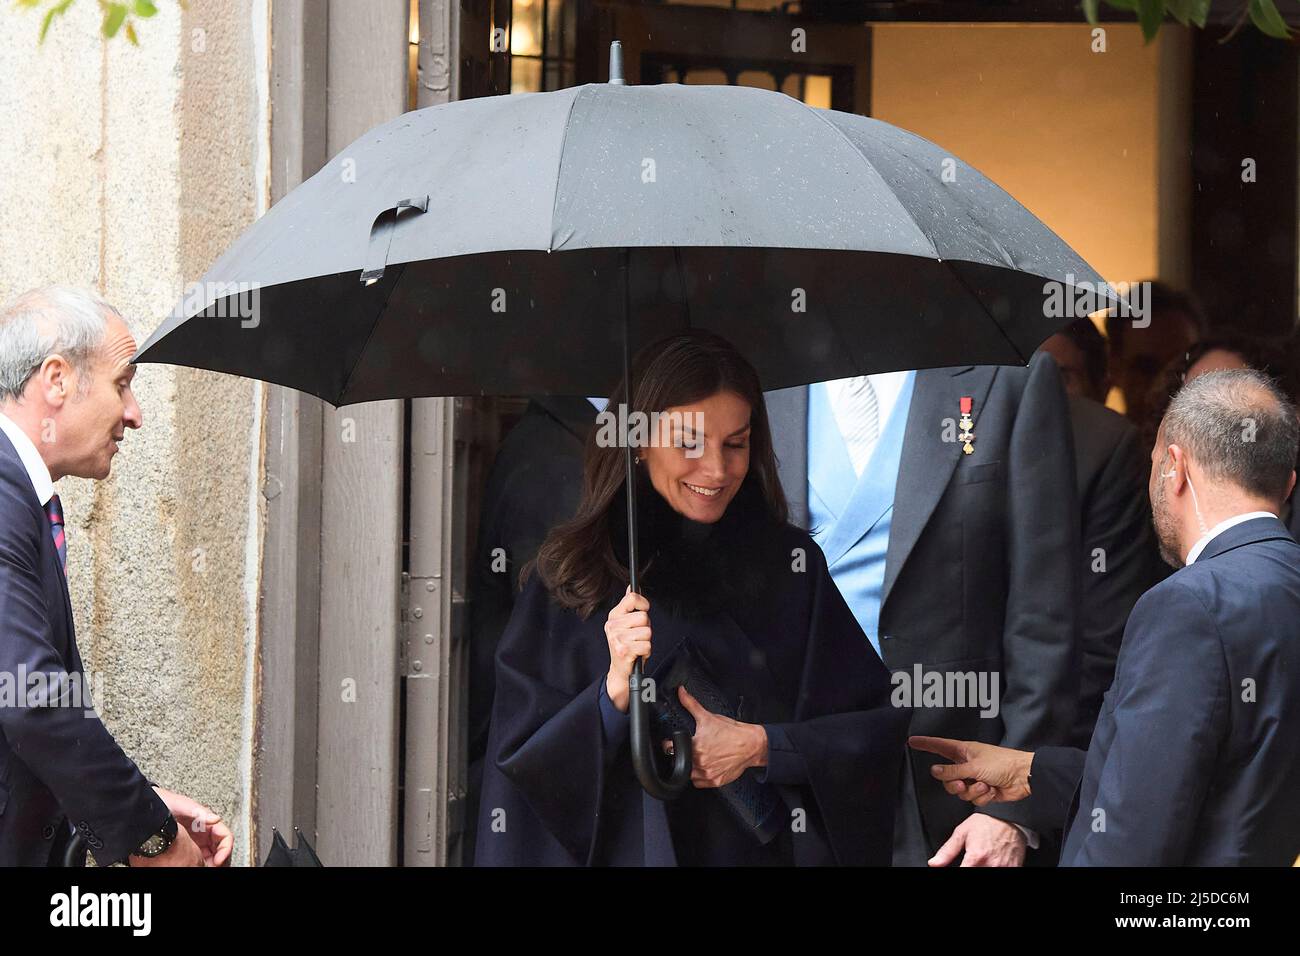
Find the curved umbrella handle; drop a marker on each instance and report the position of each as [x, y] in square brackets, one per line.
[74, 853]
[642, 746]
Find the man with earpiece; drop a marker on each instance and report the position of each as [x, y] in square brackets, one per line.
[1193, 761]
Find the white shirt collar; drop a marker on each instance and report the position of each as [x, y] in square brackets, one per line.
[1221, 527]
[31, 459]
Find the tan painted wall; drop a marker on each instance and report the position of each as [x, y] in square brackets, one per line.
[1074, 135]
[129, 170]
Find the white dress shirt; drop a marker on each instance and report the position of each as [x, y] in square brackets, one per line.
[31, 459]
[1221, 527]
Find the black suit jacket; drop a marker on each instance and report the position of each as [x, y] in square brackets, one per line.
[57, 762]
[981, 570]
[1194, 761]
[1111, 470]
[535, 483]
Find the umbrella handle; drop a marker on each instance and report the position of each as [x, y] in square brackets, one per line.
[74, 853]
[642, 746]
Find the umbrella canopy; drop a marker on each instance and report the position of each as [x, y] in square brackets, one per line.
[491, 232]
[527, 244]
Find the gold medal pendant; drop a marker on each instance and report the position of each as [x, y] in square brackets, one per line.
[967, 436]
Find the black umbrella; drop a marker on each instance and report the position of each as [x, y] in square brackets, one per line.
[481, 247]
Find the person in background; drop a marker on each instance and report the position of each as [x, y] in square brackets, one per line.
[1080, 353]
[534, 485]
[1118, 559]
[1227, 350]
[1141, 347]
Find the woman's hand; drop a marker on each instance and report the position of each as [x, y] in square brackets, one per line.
[722, 749]
[627, 630]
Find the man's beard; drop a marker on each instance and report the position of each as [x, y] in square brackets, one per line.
[1166, 530]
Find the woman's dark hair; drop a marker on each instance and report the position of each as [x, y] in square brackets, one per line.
[577, 561]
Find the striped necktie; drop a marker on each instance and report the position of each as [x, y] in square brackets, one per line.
[858, 415]
[54, 509]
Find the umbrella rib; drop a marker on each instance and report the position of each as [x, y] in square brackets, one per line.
[401, 271]
[681, 283]
[996, 324]
[924, 235]
[559, 167]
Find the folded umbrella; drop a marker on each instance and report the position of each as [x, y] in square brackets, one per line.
[301, 854]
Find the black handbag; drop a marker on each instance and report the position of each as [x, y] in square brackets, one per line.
[756, 806]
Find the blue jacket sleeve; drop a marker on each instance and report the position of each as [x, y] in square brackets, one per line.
[1169, 718]
[60, 739]
[614, 723]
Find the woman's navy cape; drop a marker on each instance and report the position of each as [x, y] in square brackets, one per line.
[555, 794]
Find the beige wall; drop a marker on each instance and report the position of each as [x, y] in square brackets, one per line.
[1074, 135]
[128, 170]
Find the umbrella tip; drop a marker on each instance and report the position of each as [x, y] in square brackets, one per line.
[616, 63]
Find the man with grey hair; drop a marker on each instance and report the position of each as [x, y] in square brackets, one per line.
[65, 405]
[1194, 760]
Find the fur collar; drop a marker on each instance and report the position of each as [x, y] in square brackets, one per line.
[690, 567]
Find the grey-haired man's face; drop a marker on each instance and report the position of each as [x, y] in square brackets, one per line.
[97, 411]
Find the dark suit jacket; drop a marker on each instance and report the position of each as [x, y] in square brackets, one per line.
[535, 483]
[1194, 760]
[1111, 471]
[981, 570]
[57, 762]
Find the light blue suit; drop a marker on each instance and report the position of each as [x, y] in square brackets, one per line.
[851, 515]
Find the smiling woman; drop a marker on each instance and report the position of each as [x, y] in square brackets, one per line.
[698, 470]
[749, 647]
[709, 430]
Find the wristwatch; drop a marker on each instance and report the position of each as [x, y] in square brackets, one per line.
[159, 842]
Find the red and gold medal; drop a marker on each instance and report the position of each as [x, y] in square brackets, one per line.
[967, 436]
